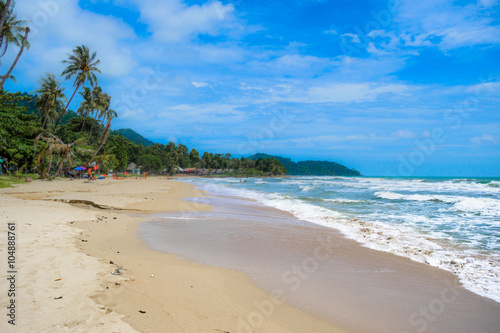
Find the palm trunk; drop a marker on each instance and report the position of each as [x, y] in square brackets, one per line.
[103, 141]
[59, 168]
[16, 60]
[69, 102]
[44, 121]
[50, 164]
[5, 11]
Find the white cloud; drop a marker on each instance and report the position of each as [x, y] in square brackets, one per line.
[404, 134]
[451, 25]
[483, 139]
[353, 37]
[199, 84]
[331, 32]
[59, 26]
[353, 92]
[175, 21]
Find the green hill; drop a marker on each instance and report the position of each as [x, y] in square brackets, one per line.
[311, 168]
[134, 137]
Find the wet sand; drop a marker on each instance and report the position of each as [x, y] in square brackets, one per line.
[318, 270]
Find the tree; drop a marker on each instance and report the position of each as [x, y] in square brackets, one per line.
[183, 155]
[110, 114]
[194, 157]
[17, 130]
[87, 106]
[150, 163]
[83, 66]
[12, 32]
[51, 99]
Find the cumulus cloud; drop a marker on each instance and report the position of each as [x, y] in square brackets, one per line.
[175, 21]
[58, 26]
[452, 25]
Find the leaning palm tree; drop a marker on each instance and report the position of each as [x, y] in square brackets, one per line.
[87, 106]
[99, 105]
[50, 100]
[16, 32]
[110, 115]
[52, 144]
[83, 66]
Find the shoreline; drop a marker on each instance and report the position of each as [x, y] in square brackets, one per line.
[317, 269]
[157, 291]
[74, 235]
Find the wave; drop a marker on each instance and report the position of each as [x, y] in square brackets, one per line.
[417, 197]
[344, 201]
[480, 206]
[305, 188]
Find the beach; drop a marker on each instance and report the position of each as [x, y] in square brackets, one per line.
[65, 250]
[159, 255]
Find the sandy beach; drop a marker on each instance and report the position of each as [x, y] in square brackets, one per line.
[71, 237]
[82, 268]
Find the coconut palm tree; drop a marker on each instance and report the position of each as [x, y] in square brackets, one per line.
[83, 66]
[87, 106]
[97, 98]
[110, 115]
[51, 99]
[12, 31]
[54, 144]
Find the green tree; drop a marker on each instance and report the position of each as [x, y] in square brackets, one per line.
[87, 105]
[183, 154]
[194, 158]
[13, 31]
[17, 130]
[150, 163]
[83, 66]
[51, 99]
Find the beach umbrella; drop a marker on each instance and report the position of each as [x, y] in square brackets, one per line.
[79, 168]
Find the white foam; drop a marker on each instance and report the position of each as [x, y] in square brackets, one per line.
[341, 200]
[304, 188]
[481, 206]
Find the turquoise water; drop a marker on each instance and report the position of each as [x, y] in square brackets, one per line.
[453, 224]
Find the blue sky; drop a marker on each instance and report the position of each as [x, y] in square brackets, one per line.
[403, 88]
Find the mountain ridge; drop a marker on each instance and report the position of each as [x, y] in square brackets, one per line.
[310, 168]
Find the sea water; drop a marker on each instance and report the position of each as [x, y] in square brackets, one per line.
[453, 224]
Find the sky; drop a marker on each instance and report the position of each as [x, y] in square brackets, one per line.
[390, 88]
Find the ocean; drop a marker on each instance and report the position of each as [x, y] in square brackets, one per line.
[453, 224]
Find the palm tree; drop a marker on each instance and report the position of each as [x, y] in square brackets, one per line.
[5, 32]
[98, 100]
[110, 114]
[51, 99]
[87, 106]
[55, 144]
[83, 66]
[12, 32]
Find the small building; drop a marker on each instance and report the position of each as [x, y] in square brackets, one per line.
[133, 168]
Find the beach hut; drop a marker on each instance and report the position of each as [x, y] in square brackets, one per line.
[133, 168]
